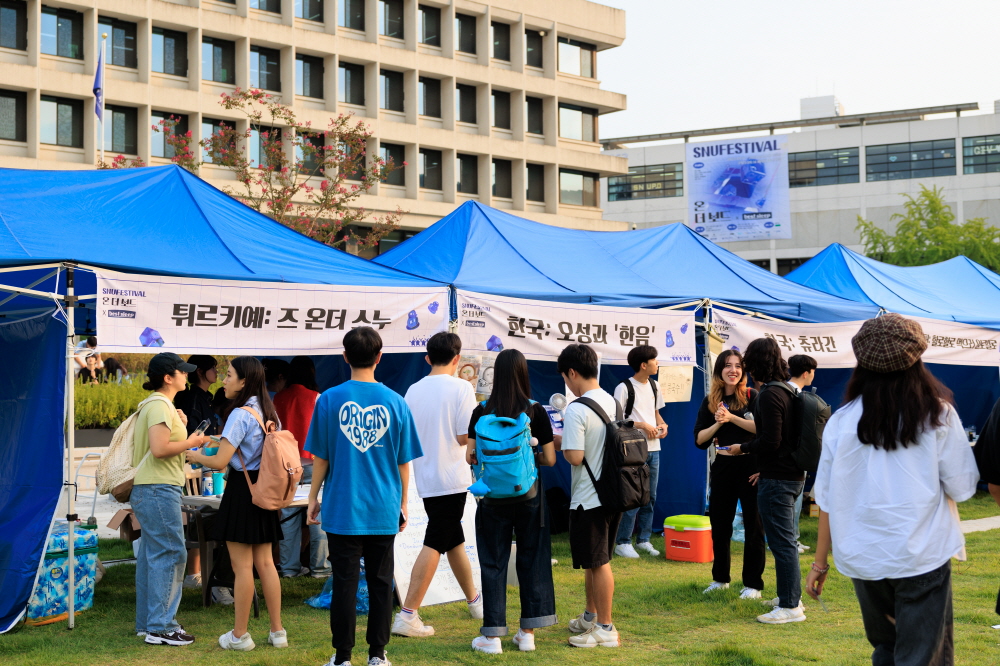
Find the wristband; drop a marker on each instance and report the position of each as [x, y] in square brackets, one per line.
[818, 569]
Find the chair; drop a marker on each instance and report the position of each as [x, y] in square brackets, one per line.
[192, 482]
[78, 476]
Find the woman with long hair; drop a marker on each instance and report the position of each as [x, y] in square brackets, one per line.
[497, 520]
[725, 419]
[895, 460]
[248, 530]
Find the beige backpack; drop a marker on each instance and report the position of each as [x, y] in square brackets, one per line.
[115, 473]
[280, 467]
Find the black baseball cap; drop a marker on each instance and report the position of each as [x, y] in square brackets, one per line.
[168, 362]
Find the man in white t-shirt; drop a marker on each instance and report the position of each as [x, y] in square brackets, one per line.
[442, 406]
[646, 402]
[592, 527]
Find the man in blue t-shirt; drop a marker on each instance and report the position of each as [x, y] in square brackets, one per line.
[362, 438]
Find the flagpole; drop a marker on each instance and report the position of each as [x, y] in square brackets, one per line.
[104, 53]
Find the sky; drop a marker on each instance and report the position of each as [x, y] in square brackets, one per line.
[695, 64]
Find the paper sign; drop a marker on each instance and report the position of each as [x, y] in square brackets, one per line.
[675, 383]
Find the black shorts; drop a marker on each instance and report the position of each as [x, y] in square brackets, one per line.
[592, 535]
[444, 521]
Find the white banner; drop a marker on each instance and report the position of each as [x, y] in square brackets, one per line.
[541, 329]
[738, 189]
[149, 314]
[948, 342]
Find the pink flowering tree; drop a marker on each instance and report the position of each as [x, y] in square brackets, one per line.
[178, 143]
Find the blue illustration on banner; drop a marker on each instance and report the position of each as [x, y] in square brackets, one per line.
[684, 329]
[494, 344]
[150, 337]
[412, 322]
[433, 307]
[670, 339]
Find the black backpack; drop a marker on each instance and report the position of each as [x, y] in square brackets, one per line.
[811, 413]
[630, 398]
[624, 482]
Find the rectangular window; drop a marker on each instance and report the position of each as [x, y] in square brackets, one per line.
[14, 24]
[576, 57]
[502, 177]
[13, 115]
[577, 188]
[430, 169]
[534, 176]
[61, 121]
[265, 68]
[430, 97]
[500, 33]
[534, 115]
[648, 182]
[159, 146]
[981, 154]
[501, 109]
[430, 25]
[465, 33]
[533, 48]
[62, 33]
[266, 5]
[919, 159]
[390, 18]
[351, 14]
[823, 167]
[577, 122]
[121, 41]
[395, 153]
[352, 84]
[218, 60]
[170, 52]
[392, 90]
[309, 76]
[310, 152]
[210, 127]
[467, 173]
[121, 129]
[262, 142]
[465, 99]
[310, 10]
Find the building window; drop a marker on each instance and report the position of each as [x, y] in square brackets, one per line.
[264, 145]
[576, 57]
[823, 167]
[533, 48]
[218, 60]
[920, 159]
[310, 10]
[170, 52]
[467, 173]
[577, 188]
[392, 90]
[121, 129]
[309, 76]
[351, 14]
[465, 99]
[429, 101]
[577, 122]
[209, 128]
[62, 33]
[502, 177]
[159, 146]
[465, 33]
[648, 182]
[390, 18]
[121, 41]
[534, 176]
[265, 68]
[430, 169]
[310, 152]
[61, 121]
[500, 33]
[13, 115]
[430, 25]
[501, 109]
[266, 5]
[534, 115]
[352, 84]
[14, 24]
[981, 154]
[395, 153]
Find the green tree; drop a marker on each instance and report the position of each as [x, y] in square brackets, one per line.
[926, 234]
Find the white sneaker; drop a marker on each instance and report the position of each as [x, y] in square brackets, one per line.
[278, 639]
[192, 581]
[716, 585]
[802, 547]
[476, 609]
[749, 593]
[487, 644]
[379, 661]
[242, 644]
[578, 625]
[222, 595]
[554, 561]
[333, 658]
[140, 634]
[596, 636]
[647, 547]
[414, 628]
[783, 615]
[525, 642]
[626, 550]
[774, 603]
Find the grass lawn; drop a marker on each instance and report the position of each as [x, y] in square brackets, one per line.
[659, 610]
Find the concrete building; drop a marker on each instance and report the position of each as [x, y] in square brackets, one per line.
[495, 101]
[840, 167]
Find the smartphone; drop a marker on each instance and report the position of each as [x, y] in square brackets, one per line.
[202, 427]
[402, 519]
[722, 448]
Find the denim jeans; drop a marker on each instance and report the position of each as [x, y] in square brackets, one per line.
[291, 531]
[495, 527]
[776, 504]
[645, 513]
[798, 513]
[159, 571]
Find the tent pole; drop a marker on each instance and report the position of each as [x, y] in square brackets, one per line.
[707, 305]
[70, 432]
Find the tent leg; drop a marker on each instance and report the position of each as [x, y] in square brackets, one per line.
[70, 436]
[707, 374]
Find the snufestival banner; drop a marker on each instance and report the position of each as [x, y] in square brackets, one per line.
[150, 314]
[948, 342]
[541, 329]
[738, 189]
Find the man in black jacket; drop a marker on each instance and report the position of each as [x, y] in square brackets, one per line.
[780, 480]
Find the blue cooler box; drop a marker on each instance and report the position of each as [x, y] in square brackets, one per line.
[50, 600]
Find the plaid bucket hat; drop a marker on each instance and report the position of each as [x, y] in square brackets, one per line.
[889, 343]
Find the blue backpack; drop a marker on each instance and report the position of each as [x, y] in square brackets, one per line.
[506, 459]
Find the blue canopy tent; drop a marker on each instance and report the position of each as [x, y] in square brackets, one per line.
[157, 220]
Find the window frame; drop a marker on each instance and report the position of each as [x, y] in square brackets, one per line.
[585, 65]
[269, 6]
[181, 127]
[76, 130]
[75, 26]
[390, 19]
[502, 178]
[423, 86]
[431, 174]
[130, 57]
[303, 62]
[500, 109]
[987, 161]
[465, 33]
[463, 94]
[351, 14]
[883, 160]
[20, 21]
[534, 115]
[589, 197]
[467, 164]
[263, 54]
[20, 111]
[398, 175]
[215, 124]
[179, 54]
[534, 182]
[392, 92]
[810, 169]
[347, 87]
[302, 7]
[311, 164]
[503, 40]
[225, 48]
[651, 181]
[427, 11]
[129, 115]
[588, 130]
[530, 36]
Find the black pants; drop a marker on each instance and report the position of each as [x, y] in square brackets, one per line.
[909, 620]
[346, 552]
[731, 483]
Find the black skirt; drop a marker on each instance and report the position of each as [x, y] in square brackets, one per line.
[239, 519]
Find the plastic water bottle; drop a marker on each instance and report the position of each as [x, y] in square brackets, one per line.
[206, 485]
